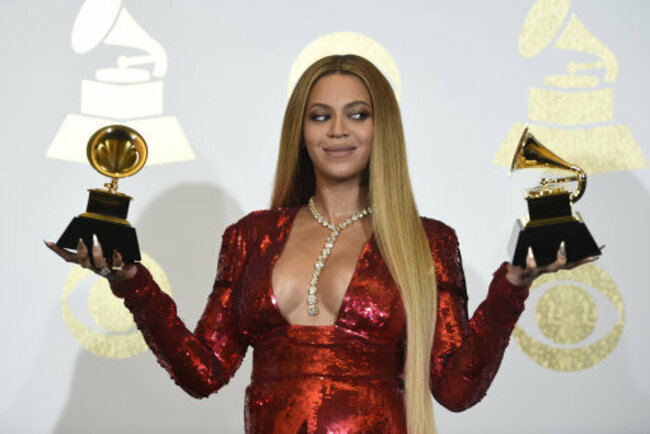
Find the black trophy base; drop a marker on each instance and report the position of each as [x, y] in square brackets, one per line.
[108, 204]
[548, 207]
[545, 241]
[112, 236]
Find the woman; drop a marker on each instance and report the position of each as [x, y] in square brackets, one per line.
[354, 322]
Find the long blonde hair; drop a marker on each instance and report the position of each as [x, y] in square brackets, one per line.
[396, 223]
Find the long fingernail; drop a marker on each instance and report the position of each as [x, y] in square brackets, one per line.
[602, 247]
[95, 242]
[80, 244]
[531, 256]
[563, 248]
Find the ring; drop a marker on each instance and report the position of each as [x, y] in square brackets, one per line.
[114, 268]
[104, 272]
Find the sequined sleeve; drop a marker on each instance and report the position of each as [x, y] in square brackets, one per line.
[203, 361]
[467, 352]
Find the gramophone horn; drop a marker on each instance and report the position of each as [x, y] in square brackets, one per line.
[531, 154]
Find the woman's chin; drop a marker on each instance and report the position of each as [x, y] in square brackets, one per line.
[340, 177]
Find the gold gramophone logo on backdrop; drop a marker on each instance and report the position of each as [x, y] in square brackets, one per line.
[573, 114]
[129, 93]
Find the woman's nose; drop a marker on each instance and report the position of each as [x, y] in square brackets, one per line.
[338, 127]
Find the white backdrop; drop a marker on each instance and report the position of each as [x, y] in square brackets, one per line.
[464, 85]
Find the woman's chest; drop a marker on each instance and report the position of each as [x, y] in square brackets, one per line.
[371, 303]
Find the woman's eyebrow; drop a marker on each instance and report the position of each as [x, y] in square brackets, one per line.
[320, 105]
[348, 105]
[353, 103]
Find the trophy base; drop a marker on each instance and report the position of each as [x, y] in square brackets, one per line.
[545, 240]
[555, 205]
[112, 236]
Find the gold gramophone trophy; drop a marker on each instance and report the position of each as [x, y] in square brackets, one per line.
[116, 151]
[550, 219]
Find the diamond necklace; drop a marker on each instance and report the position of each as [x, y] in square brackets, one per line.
[312, 300]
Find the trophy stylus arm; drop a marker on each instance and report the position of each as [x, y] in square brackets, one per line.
[580, 178]
[582, 185]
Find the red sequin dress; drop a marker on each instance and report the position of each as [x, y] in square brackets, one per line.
[344, 378]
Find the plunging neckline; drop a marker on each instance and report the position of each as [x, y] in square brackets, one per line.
[280, 249]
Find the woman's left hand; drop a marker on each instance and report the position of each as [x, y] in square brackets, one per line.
[524, 276]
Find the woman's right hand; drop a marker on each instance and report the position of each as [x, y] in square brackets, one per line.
[117, 272]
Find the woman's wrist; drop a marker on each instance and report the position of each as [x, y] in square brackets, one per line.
[517, 276]
[127, 272]
[136, 286]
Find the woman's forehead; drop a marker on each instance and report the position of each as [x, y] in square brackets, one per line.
[338, 89]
